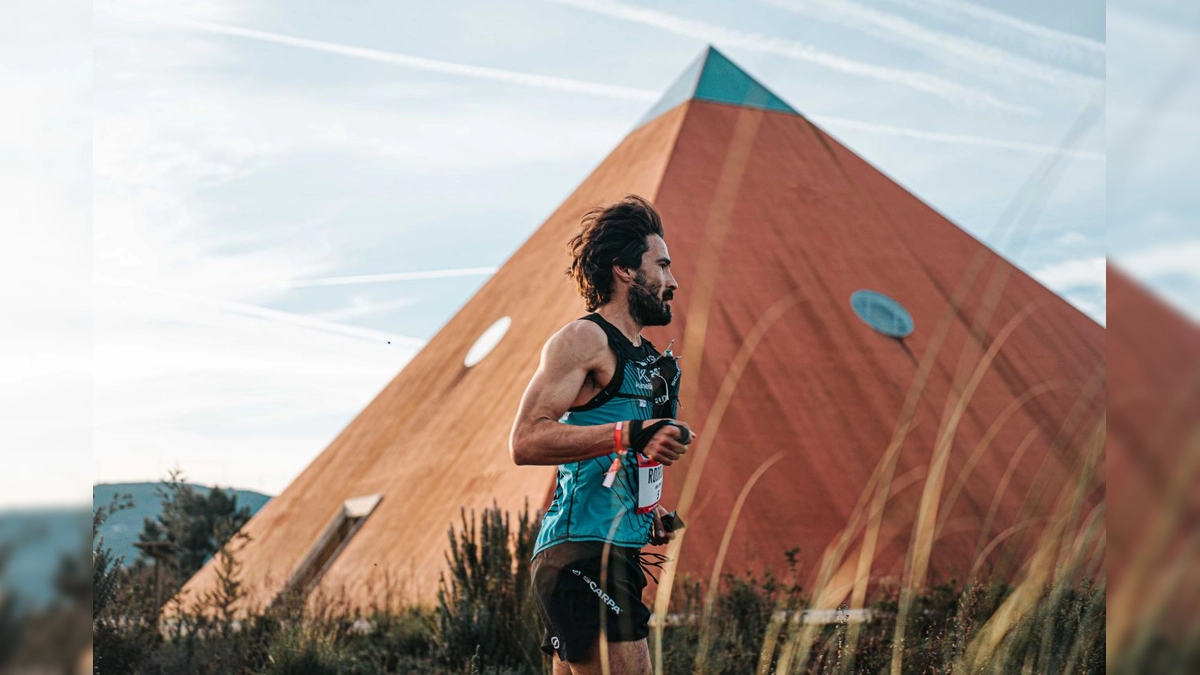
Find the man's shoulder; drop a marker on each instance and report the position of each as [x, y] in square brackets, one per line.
[577, 344]
[581, 337]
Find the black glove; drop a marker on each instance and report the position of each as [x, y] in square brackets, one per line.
[640, 436]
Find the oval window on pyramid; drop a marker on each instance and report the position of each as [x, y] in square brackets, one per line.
[882, 313]
[487, 341]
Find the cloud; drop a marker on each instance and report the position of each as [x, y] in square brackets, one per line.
[964, 95]
[267, 314]
[231, 394]
[1048, 40]
[45, 190]
[195, 178]
[960, 139]
[1175, 259]
[1081, 282]
[212, 194]
[1170, 270]
[359, 307]
[1072, 239]
[1073, 274]
[393, 276]
[159, 150]
[1097, 309]
[991, 61]
[422, 63]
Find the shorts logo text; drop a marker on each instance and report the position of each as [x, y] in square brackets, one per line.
[596, 589]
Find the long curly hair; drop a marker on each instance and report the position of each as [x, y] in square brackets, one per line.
[611, 235]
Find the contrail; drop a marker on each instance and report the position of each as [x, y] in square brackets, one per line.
[952, 49]
[421, 63]
[956, 138]
[759, 42]
[558, 84]
[267, 314]
[393, 276]
[1043, 33]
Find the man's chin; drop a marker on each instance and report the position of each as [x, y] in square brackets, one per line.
[647, 313]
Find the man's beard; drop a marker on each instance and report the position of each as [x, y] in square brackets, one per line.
[646, 308]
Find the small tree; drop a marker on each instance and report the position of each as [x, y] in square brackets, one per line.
[228, 591]
[106, 567]
[193, 521]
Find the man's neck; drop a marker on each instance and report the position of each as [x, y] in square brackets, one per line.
[619, 317]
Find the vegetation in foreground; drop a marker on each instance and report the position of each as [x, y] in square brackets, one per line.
[485, 622]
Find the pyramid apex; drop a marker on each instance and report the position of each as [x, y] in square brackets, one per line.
[714, 77]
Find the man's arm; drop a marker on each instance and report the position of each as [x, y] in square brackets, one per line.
[539, 438]
[537, 435]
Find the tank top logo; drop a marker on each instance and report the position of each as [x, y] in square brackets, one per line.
[643, 381]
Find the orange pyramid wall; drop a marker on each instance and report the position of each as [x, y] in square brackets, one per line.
[764, 208]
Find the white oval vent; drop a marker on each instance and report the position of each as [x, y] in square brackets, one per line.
[487, 341]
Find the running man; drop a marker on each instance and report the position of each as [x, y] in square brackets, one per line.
[601, 407]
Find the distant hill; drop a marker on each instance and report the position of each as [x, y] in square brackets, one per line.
[121, 530]
[39, 539]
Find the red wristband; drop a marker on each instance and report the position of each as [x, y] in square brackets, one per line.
[611, 474]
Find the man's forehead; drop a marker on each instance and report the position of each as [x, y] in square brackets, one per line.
[658, 247]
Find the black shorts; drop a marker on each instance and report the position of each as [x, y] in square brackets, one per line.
[575, 603]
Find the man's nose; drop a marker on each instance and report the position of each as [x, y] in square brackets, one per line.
[671, 283]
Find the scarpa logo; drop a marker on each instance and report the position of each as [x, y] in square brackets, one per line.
[604, 597]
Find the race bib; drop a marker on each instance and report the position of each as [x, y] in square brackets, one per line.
[650, 482]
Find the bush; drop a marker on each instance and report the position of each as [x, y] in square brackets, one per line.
[485, 613]
[399, 642]
[304, 650]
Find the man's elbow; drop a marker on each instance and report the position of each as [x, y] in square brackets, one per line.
[518, 450]
[526, 443]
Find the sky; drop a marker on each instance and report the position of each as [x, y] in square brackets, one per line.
[282, 202]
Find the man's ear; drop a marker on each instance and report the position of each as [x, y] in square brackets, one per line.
[624, 273]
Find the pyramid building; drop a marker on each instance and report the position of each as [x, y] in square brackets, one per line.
[1153, 458]
[839, 338]
[1154, 361]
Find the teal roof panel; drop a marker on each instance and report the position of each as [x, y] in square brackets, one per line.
[722, 81]
[713, 77]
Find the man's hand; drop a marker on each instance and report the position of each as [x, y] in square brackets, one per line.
[665, 446]
[658, 533]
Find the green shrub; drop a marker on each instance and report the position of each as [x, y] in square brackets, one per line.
[485, 614]
[398, 642]
[304, 650]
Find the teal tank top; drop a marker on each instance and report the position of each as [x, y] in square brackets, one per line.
[645, 385]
